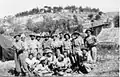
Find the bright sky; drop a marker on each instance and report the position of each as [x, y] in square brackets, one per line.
[11, 7]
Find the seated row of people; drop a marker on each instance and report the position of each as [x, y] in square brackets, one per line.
[49, 65]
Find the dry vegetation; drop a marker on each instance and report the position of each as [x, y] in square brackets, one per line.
[108, 54]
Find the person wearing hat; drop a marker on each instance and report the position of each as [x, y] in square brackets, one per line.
[39, 44]
[85, 62]
[61, 39]
[20, 57]
[90, 43]
[46, 45]
[56, 45]
[59, 66]
[51, 59]
[67, 45]
[33, 44]
[42, 69]
[24, 44]
[77, 43]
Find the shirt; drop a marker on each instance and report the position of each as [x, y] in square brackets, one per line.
[77, 44]
[32, 61]
[67, 45]
[18, 44]
[24, 45]
[33, 44]
[91, 40]
[46, 44]
[67, 61]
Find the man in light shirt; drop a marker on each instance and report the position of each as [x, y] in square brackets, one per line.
[33, 44]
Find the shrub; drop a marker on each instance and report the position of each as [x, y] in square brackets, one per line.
[116, 21]
[2, 30]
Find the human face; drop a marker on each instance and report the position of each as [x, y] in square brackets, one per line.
[60, 35]
[89, 33]
[65, 54]
[38, 39]
[73, 36]
[30, 57]
[49, 54]
[32, 37]
[17, 38]
[84, 51]
[38, 56]
[23, 38]
[67, 37]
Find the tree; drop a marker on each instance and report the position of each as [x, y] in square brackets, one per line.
[116, 20]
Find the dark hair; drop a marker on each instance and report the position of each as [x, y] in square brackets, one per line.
[89, 30]
[38, 54]
[16, 36]
[67, 35]
[84, 49]
[31, 54]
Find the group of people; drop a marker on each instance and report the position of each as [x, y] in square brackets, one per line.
[59, 54]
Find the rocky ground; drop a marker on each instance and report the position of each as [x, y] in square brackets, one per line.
[107, 65]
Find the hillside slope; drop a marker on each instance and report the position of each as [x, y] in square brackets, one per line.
[109, 35]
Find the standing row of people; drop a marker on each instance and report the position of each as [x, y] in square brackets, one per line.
[56, 55]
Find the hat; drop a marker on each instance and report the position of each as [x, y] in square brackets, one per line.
[66, 34]
[54, 35]
[88, 30]
[38, 36]
[49, 51]
[84, 48]
[43, 58]
[76, 33]
[32, 35]
[17, 35]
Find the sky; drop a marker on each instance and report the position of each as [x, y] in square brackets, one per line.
[11, 7]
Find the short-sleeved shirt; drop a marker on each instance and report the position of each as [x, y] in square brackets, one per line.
[60, 64]
[67, 44]
[25, 45]
[91, 40]
[32, 61]
[33, 44]
[18, 44]
[77, 44]
[46, 44]
[67, 61]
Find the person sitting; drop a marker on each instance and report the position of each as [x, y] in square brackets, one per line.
[42, 69]
[59, 67]
[85, 62]
[30, 61]
[51, 59]
[67, 60]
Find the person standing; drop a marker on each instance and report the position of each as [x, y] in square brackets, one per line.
[39, 44]
[90, 43]
[46, 45]
[19, 57]
[77, 44]
[67, 45]
[33, 44]
[56, 44]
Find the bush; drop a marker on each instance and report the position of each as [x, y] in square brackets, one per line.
[2, 30]
[17, 29]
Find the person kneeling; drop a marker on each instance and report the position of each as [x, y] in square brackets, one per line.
[85, 64]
